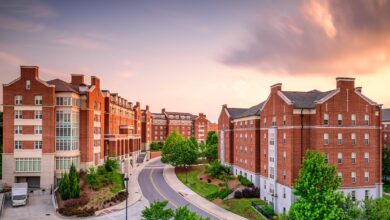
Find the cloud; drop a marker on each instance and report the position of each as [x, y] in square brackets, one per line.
[20, 25]
[10, 58]
[125, 74]
[318, 37]
[81, 41]
[36, 9]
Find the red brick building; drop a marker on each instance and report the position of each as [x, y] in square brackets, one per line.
[213, 127]
[146, 136]
[386, 127]
[342, 123]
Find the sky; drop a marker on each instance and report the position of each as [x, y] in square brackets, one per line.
[195, 56]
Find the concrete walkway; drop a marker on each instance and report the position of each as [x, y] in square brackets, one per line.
[202, 203]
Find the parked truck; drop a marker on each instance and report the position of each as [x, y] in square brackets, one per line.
[19, 194]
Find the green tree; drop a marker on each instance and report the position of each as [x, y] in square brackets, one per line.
[193, 142]
[184, 213]
[316, 189]
[351, 209]
[74, 182]
[386, 163]
[169, 151]
[377, 209]
[64, 187]
[211, 152]
[212, 138]
[157, 211]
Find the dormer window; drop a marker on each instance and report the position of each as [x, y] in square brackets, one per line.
[28, 85]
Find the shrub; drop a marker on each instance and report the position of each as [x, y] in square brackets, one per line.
[209, 180]
[267, 210]
[64, 187]
[76, 203]
[216, 170]
[111, 165]
[221, 194]
[251, 192]
[238, 194]
[94, 180]
[244, 181]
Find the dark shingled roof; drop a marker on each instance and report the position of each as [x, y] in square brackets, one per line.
[62, 86]
[305, 99]
[234, 112]
[386, 114]
[252, 111]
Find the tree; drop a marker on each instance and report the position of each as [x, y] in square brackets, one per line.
[212, 138]
[64, 187]
[351, 209]
[169, 151]
[157, 211]
[184, 213]
[211, 152]
[74, 182]
[376, 209]
[316, 189]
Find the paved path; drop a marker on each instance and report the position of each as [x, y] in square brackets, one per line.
[154, 187]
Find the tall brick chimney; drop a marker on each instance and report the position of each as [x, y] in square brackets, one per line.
[276, 87]
[345, 83]
[163, 110]
[77, 79]
[29, 72]
[95, 81]
[147, 107]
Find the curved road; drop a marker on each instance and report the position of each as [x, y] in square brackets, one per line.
[154, 187]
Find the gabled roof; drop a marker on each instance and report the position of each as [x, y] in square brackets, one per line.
[181, 114]
[305, 99]
[252, 111]
[234, 112]
[386, 115]
[62, 86]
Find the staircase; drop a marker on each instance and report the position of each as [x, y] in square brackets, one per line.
[141, 157]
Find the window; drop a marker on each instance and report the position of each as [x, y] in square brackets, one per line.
[353, 195]
[284, 155]
[353, 119]
[353, 176]
[18, 129]
[265, 184]
[340, 119]
[326, 138]
[339, 138]
[353, 138]
[366, 119]
[18, 114]
[366, 194]
[353, 157]
[272, 172]
[18, 144]
[28, 85]
[284, 138]
[366, 157]
[38, 129]
[27, 164]
[366, 176]
[326, 119]
[366, 139]
[284, 174]
[339, 158]
[284, 120]
[37, 145]
[284, 193]
[340, 175]
[38, 114]
[265, 122]
[18, 100]
[64, 163]
[274, 121]
[38, 100]
[326, 158]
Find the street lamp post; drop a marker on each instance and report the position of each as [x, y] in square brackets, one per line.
[127, 192]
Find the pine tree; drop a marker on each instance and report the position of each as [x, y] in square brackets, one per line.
[74, 181]
[64, 187]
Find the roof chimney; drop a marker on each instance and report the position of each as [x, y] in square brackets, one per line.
[147, 107]
[29, 72]
[163, 110]
[359, 89]
[77, 79]
[276, 87]
[95, 81]
[345, 83]
[224, 106]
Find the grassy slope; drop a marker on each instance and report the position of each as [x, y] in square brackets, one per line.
[201, 188]
[242, 207]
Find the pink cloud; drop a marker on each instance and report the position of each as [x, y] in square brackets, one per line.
[80, 41]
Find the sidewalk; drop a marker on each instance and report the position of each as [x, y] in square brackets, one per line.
[135, 193]
[189, 195]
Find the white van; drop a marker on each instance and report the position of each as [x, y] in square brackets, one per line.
[19, 194]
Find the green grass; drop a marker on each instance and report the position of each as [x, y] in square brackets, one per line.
[243, 207]
[386, 188]
[200, 187]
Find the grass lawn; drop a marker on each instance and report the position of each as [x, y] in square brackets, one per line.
[243, 207]
[386, 188]
[201, 188]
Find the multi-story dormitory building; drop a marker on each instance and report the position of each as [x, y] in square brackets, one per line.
[48, 125]
[386, 127]
[185, 123]
[266, 143]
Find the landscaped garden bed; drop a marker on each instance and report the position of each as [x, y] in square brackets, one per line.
[99, 188]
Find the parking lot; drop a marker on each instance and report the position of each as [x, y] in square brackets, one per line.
[39, 207]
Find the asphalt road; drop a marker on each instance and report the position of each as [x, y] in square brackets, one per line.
[154, 188]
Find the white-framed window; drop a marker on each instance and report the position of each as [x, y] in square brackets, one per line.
[366, 194]
[18, 114]
[353, 119]
[366, 157]
[353, 157]
[27, 164]
[64, 163]
[284, 155]
[284, 120]
[272, 172]
[353, 177]
[265, 122]
[38, 100]
[340, 175]
[18, 129]
[274, 121]
[339, 138]
[326, 158]
[353, 195]
[339, 158]
[366, 139]
[18, 100]
[18, 144]
[284, 174]
[284, 192]
[366, 176]
[28, 85]
[353, 138]
[37, 145]
[326, 119]
[340, 119]
[284, 138]
[38, 114]
[366, 119]
[38, 129]
[326, 138]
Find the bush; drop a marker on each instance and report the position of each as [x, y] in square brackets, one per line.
[251, 192]
[76, 203]
[238, 194]
[216, 170]
[267, 210]
[221, 194]
[94, 180]
[244, 181]
[111, 165]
